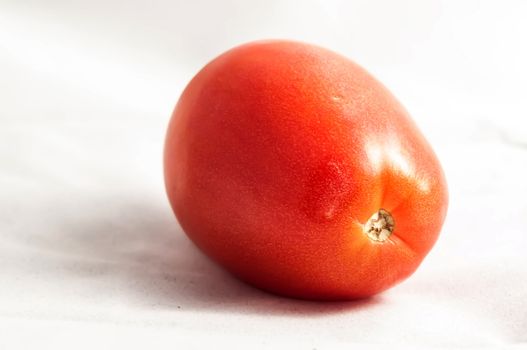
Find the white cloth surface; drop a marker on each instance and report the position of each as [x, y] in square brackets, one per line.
[91, 255]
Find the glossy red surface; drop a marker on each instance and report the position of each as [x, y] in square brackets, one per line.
[276, 156]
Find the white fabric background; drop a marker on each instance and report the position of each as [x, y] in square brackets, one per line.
[90, 253]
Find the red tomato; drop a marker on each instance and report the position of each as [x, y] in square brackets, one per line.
[297, 171]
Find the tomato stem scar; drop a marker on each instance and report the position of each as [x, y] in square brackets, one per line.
[379, 226]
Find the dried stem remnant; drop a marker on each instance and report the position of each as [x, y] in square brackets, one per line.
[380, 226]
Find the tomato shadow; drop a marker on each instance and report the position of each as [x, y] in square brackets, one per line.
[137, 249]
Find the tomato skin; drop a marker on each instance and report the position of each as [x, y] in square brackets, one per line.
[276, 156]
